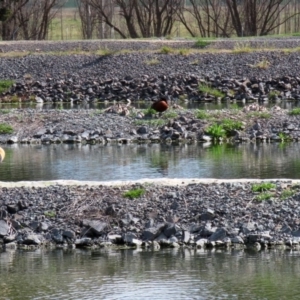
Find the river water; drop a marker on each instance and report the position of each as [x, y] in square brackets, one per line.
[132, 162]
[137, 274]
[164, 274]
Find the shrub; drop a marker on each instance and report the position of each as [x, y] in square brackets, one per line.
[202, 43]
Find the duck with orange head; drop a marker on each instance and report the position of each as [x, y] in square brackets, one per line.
[161, 104]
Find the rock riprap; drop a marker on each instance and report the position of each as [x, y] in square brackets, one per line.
[140, 75]
[225, 214]
[175, 125]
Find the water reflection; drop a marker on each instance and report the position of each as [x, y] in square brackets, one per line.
[135, 274]
[132, 162]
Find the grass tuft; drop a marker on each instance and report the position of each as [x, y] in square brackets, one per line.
[134, 193]
[5, 85]
[262, 187]
[204, 88]
[5, 129]
[264, 196]
[166, 50]
[295, 111]
[152, 62]
[216, 131]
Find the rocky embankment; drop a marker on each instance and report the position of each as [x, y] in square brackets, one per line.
[253, 123]
[141, 70]
[222, 214]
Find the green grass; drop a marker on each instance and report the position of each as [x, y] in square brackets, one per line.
[184, 51]
[230, 125]
[150, 112]
[295, 112]
[170, 114]
[50, 214]
[264, 196]
[202, 43]
[166, 50]
[201, 114]
[216, 131]
[273, 95]
[242, 47]
[134, 193]
[5, 85]
[262, 187]
[287, 193]
[4, 111]
[5, 129]
[204, 88]
[259, 114]
[284, 137]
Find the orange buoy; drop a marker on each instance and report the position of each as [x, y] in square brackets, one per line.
[2, 155]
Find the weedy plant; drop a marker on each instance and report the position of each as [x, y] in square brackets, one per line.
[202, 43]
[5, 85]
[204, 88]
[201, 114]
[273, 95]
[262, 187]
[216, 131]
[166, 50]
[6, 129]
[230, 125]
[287, 193]
[264, 196]
[170, 114]
[242, 48]
[184, 51]
[295, 111]
[134, 193]
[264, 64]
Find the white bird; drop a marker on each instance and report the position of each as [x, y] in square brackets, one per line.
[39, 99]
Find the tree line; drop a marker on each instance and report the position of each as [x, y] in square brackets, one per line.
[30, 19]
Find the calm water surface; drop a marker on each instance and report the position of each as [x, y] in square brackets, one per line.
[131, 162]
[165, 274]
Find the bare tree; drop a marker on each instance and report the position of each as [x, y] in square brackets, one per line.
[137, 18]
[8, 12]
[35, 18]
[88, 18]
[257, 17]
[28, 19]
[210, 16]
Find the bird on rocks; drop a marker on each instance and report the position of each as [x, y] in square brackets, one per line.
[2, 155]
[161, 105]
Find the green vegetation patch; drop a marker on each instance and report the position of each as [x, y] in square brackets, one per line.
[50, 213]
[134, 193]
[200, 43]
[166, 50]
[201, 114]
[295, 111]
[262, 187]
[216, 131]
[6, 129]
[5, 85]
[264, 196]
[205, 88]
[287, 193]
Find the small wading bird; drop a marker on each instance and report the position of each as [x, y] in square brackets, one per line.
[161, 105]
[2, 155]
